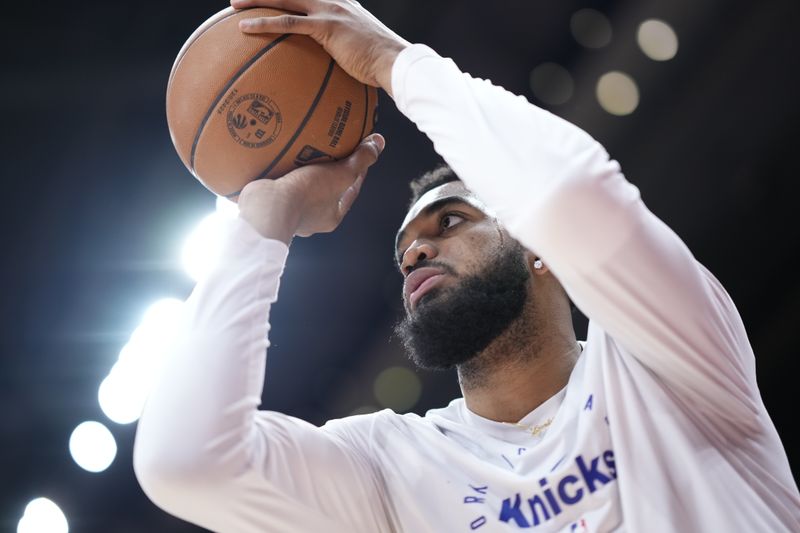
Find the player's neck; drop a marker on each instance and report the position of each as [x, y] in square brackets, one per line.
[522, 368]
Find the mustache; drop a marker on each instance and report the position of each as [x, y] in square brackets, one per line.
[447, 269]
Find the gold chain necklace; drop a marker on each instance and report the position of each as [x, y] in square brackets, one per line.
[539, 429]
[536, 430]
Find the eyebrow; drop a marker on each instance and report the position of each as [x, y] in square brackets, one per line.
[427, 211]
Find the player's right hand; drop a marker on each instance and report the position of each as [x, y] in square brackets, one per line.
[363, 46]
[311, 199]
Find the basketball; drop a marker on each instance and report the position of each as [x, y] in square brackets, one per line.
[242, 107]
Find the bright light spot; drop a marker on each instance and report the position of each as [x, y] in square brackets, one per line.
[551, 83]
[42, 516]
[397, 388]
[617, 93]
[92, 446]
[227, 208]
[123, 393]
[657, 40]
[590, 28]
[120, 399]
[163, 313]
[203, 246]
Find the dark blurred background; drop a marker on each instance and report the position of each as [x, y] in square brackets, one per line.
[98, 205]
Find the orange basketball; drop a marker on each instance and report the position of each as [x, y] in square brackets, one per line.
[242, 107]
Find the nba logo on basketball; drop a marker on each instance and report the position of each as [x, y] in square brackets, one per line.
[260, 111]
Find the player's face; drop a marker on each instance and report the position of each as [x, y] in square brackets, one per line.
[445, 239]
[466, 281]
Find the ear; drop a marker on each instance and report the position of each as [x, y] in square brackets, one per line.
[532, 260]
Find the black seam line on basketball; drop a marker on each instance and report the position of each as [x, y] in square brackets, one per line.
[304, 122]
[366, 112]
[224, 90]
[299, 128]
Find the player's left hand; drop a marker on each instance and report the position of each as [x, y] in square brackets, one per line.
[359, 42]
[310, 199]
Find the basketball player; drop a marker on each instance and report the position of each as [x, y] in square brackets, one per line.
[654, 423]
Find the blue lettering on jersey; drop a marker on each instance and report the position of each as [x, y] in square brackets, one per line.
[562, 490]
[481, 520]
[568, 490]
[588, 406]
[533, 502]
[478, 522]
[592, 473]
[513, 512]
[549, 495]
[608, 459]
[558, 463]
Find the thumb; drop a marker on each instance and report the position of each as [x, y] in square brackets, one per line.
[358, 162]
[366, 153]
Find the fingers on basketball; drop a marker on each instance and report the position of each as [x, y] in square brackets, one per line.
[279, 24]
[365, 154]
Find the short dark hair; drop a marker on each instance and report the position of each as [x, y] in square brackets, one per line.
[430, 180]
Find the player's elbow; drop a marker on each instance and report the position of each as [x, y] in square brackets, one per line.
[162, 485]
[176, 487]
[159, 477]
[585, 214]
[590, 183]
[172, 476]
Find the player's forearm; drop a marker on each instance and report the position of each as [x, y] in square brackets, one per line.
[197, 424]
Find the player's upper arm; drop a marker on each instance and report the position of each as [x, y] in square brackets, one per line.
[635, 278]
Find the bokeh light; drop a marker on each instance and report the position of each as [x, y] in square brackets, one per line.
[123, 393]
[227, 208]
[397, 388]
[42, 516]
[551, 83]
[92, 446]
[122, 400]
[591, 28]
[202, 248]
[657, 40]
[617, 93]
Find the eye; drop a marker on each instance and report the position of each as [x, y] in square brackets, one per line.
[449, 220]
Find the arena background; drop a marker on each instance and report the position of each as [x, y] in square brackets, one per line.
[97, 206]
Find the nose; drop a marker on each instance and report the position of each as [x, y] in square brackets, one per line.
[418, 251]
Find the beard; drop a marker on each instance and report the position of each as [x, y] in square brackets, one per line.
[451, 326]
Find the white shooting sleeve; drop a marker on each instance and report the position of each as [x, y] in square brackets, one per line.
[557, 192]
[206, 454]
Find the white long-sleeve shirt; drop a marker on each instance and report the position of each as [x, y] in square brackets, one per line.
[660, 428]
